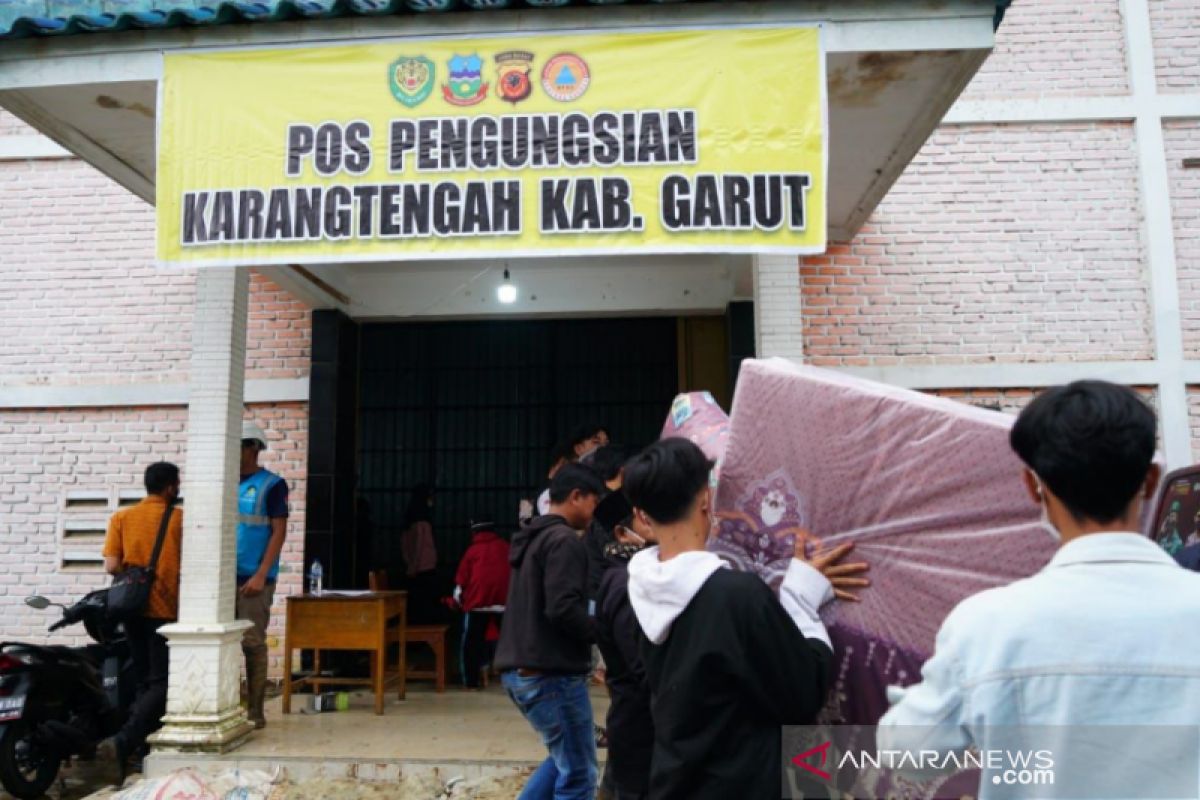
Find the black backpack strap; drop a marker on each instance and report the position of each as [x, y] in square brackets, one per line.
[162, 534]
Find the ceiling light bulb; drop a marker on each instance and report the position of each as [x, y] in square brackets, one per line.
[506, 293]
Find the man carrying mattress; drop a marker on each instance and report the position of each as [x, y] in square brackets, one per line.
[1083, 663]
[727, 662]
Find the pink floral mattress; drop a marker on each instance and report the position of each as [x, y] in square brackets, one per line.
[926, 488]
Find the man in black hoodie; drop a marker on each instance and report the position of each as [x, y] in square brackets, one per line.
[607, 462]
[630, 725]
[728, 663]
[545, 644]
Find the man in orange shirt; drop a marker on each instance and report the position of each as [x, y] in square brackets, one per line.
[129, 543]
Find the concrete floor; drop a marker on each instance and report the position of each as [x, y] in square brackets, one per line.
[415, 747]
[472, 734]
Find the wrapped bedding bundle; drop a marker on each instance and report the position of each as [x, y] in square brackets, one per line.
[927, 489]
[697, 416]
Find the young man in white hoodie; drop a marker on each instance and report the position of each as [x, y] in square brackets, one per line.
[728, 663]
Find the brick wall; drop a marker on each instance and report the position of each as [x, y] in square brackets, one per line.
[50, 452]
[279, 336]
[11, 126]
[84, 301]
[1013, 401]
[1182, 140]
[1176, 28]
[1010, 401]
[1052, 48]
[1194, 416]
[1004, 243]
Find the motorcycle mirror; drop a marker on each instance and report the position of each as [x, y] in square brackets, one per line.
[37, 601]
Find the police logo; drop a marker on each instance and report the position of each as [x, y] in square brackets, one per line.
[512, 75]
[466, 86]
[411, 79]
[566, 77]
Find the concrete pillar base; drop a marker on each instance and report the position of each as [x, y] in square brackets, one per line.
[204, 712]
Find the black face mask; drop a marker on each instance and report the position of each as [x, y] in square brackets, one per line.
[622, 551]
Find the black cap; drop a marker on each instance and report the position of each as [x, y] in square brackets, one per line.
[613, 510]
[476, 527]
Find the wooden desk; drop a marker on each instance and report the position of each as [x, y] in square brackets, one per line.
[330, 621]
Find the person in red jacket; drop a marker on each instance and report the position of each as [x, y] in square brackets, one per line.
[481, 589]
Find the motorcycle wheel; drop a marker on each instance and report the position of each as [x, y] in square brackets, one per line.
[26, 771]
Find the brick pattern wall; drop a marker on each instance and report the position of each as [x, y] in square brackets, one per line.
[279, 337]
[50, 452]
[1010, 401]
[11, 126]
[1056, 48]
[1176, 28]
[1194, 416]
[1182, 140]
[1006, 243]
[84, 301]
[1013, 401]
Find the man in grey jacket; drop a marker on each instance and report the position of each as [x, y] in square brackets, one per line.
[544, 653]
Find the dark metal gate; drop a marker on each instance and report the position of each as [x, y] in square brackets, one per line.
[475, 407]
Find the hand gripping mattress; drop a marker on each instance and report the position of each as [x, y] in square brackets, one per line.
[926, 488]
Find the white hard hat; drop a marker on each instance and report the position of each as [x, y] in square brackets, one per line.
[251, 431]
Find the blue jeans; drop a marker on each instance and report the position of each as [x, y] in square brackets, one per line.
[560, 710]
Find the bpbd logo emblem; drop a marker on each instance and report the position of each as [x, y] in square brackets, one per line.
[466, 86]
[411, 79]
[566, 77]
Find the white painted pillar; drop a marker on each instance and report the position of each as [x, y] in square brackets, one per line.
[778, 307]
[1159, 230]
[203, 708]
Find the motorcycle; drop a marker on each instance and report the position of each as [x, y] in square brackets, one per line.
[58, 702]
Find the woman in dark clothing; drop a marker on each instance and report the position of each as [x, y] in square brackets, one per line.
[420, 556]
[630, 726]
[607, 462]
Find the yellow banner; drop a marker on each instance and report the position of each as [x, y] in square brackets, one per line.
[666, 142]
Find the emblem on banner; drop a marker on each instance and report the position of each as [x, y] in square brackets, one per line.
[411, 79]
[566, 77]
[513, 68]
[466, 86]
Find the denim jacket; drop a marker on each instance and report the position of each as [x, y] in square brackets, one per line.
[1106, 634]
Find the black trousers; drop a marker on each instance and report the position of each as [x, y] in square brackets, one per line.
[474, 646]
[424, 607]
[148, 649]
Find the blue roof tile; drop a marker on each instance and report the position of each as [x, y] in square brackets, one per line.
[25, 18]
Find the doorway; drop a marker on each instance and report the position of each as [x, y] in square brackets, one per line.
[474, 408]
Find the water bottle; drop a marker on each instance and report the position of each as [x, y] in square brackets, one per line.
[315, 577]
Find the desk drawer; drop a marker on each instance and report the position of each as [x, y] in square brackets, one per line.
[334, 625]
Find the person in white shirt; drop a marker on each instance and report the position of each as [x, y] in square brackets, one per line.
[1098, 637]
